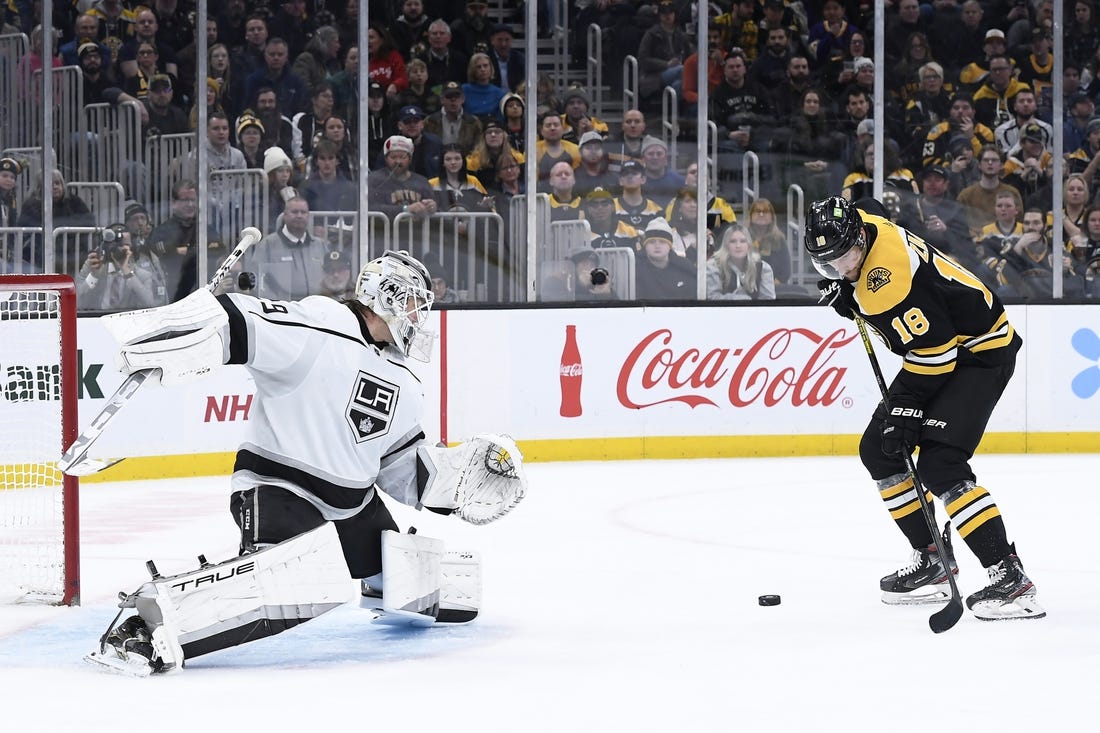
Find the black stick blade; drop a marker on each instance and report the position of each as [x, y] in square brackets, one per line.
[946, 617]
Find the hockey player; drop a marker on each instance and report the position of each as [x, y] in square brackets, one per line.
[959, 352]
[337, 418]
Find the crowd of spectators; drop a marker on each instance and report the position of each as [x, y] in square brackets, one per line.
[967, 121]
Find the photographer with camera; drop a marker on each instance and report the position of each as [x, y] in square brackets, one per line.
[145, 257]
[108, 279]
[590, 281]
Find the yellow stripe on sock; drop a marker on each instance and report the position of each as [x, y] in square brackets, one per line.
[978, 521]
[906, 510]
[893, 491]
[971, 496]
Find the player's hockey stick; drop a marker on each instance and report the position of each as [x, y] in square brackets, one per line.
[949, 615]
[75, 460]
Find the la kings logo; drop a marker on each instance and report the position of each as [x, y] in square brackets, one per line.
[371, 407]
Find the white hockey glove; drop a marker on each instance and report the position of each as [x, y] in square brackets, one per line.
[481, 480]
[183, 340]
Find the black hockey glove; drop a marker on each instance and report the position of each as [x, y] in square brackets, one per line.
[901, 430]
[840, 294]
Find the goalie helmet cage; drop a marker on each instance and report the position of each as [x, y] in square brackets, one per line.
[39, 509]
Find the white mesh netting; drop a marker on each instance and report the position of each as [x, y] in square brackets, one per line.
[32, 529]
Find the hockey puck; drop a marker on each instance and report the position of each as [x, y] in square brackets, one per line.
[768, 600]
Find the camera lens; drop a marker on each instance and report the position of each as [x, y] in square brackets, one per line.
[599, 276]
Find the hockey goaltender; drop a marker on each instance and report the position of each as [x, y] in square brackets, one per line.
[338, 417]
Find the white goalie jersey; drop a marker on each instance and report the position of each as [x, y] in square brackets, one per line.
[354, 422]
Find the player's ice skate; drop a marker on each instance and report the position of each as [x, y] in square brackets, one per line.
[924, 579]
[1010, 593]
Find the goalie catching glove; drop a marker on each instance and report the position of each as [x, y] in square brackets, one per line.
[481, 480]
[183, 341]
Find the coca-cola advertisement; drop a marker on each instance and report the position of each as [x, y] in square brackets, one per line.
[608, 382]
[672, 372]
[797, 367]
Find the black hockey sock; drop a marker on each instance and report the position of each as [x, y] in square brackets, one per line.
[978, 521]
[902, 501]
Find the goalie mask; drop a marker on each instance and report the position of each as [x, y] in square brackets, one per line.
[397, 287]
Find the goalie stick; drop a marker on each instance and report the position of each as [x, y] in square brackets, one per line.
[75, 460]
[949, 615]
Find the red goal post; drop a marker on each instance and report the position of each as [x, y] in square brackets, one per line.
[39, 505]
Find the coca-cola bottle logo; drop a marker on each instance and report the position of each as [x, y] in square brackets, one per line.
[570, 375]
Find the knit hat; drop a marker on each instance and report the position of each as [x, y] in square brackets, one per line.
[1093, 126]
[133, 208]
[275, 158]
[862, 61]
[246, 121]
[650, 140]
[576, 93]
[508, 98]
[657, 229]
[11, 165]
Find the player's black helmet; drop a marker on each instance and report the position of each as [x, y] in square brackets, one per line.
[833, 226]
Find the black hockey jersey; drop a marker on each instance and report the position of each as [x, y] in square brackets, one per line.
[928, 309]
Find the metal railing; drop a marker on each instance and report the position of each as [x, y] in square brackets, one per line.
[796, 228]
[103, 199]
[471, 249]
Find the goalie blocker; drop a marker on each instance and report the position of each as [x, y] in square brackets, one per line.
[266, 592]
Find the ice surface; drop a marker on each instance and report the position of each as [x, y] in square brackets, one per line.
[618, 597]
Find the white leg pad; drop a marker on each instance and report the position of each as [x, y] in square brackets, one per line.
[248, 597]
[423, 585]
[460, 598]
[411, 578]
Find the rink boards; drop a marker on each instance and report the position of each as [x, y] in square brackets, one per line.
[654, 383]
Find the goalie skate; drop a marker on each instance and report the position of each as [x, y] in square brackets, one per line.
[1009, 595]
[127, 650]
[924, 579]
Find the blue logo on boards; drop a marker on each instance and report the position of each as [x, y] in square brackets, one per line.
[1086, 343]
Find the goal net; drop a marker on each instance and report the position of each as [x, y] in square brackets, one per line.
[39, 536]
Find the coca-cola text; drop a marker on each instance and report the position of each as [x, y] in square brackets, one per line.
[770, 371]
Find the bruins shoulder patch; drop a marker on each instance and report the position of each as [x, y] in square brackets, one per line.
[877, 278]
